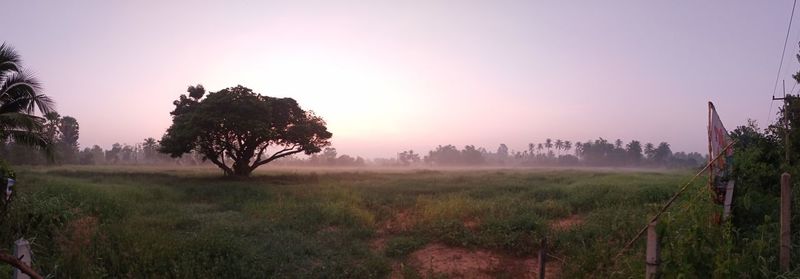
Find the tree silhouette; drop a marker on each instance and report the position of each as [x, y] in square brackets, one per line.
[150, 149]
[662, 153]
[444, 155]
[531, 147]
[69, 131]
[502, 152]
[406, 158]
[242, 126]
[548, 143]
[634, 151]
[559, 145]
[471, 155]
[649, 151]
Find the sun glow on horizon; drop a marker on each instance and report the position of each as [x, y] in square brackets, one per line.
[356, 96]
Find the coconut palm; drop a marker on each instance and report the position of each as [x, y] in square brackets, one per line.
[559, 144]
[22, 105]
[548, 143]
[531, 147]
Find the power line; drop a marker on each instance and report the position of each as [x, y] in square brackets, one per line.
[783, 54]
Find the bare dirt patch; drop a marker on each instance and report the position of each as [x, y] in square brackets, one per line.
[438, 259]
[568, 223]
[399, 223]
[378, 244]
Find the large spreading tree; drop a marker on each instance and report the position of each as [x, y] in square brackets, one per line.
[239, 130]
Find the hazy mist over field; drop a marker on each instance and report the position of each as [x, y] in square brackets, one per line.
[415, 74]
[399, 139]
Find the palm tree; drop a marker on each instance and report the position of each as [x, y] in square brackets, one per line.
[530, 149]
[20, 101]
[649, 151]
[567, 146]
[559, 145]
[548, 143]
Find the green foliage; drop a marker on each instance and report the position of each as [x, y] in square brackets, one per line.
[403, 245]
[6, 171]
[113, 222]
[696, 245]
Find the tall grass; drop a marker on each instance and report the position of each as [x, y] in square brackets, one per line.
[90, 223]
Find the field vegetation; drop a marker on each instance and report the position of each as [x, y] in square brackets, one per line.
[190, 223]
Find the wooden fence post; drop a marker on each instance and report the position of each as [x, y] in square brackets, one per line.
[652, 255]
[542, 258]
[22, 251]
[786, 222]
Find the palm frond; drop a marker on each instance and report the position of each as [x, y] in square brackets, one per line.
[19, 93]
[9, 59]
[20, 121]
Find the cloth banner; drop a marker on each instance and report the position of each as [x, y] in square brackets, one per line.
[720, 170]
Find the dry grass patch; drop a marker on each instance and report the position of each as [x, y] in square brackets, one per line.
[567, 223]
[453, 262]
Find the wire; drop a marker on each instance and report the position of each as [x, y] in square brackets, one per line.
[783, 54]
[769, 114]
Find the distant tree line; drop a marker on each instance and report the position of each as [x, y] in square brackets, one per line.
[61, 136]
[64, 133]
[329, 157]
[145, 152]
[599, 153]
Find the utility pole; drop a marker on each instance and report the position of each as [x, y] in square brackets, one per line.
[785, 251]
[785, 122]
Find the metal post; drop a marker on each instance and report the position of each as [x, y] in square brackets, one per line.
[542, 258]
[786, 218]
[22, 251]
[652, 255]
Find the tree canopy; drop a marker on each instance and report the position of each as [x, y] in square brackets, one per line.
[239, 130]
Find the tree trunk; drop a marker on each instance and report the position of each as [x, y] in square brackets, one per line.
[241, 169]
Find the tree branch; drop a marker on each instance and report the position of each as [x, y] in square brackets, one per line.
[25, 268]
[280, 154]
[214, 159]
[261, 152]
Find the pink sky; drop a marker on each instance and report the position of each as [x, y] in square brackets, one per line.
[389, 76]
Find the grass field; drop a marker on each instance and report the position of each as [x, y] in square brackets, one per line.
[190, 223]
